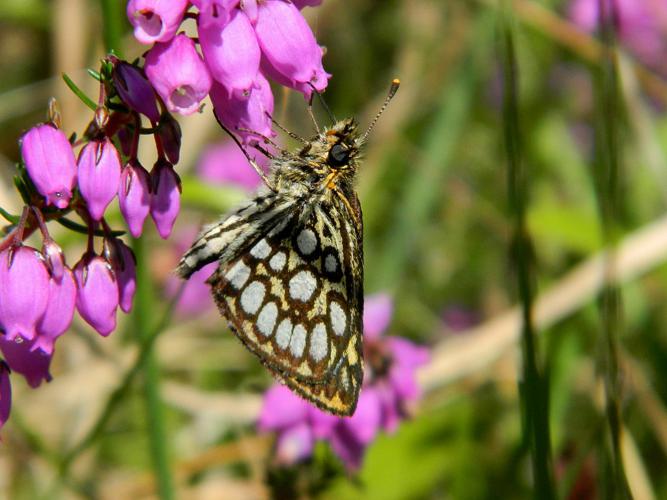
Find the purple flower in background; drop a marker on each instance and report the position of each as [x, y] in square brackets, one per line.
[135, 90]
[155, 20]
[99, 175]
[231, 53]
[50, 163]
[178, 74]
[21, 358]
[195, 292]
[59, 312]
[5, 393]
[248, 114]
[390, 386]
[642, 27]
[134, 196]
[166, 199]
[225, 163]
[97, 300]
[24, 291]
[292, 56]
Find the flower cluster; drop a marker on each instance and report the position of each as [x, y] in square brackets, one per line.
[58, 177]
[642, 27]
[389, 388]
[242, 43]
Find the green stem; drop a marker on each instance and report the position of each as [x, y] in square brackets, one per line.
[113, 26]
[157, 435]
[533, 388]
[119, 394]
[608, 190]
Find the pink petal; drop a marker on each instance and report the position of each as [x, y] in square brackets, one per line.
[378, 310]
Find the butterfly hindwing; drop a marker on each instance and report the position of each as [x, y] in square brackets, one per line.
[292, 299]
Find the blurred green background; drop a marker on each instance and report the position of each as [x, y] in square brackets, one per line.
[439, 233]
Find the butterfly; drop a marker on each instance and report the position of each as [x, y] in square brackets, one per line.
[290, 273]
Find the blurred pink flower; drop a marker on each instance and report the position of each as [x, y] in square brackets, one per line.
[225, 163]
[390, 385]
[155, 20]
[642, 27]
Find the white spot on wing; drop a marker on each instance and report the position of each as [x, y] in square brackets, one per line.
[306, 241]
[283, 333]
[238, 275]
[330, 263]
[302, 285]
[297, 342]
[266, 321]
[338, 318]
[318, 343]
[278, 261]
[261, 250]
[252, 297]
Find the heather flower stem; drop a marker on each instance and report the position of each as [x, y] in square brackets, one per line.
[145, 349]
[533, 388]
[608, 189]
[157, 436]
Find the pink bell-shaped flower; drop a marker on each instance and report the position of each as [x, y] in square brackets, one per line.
[166, 199]
[59, 312]
[99, 175]
[170, 135]
[124, 265]
[50, 163]
[97, 300]
[21, 358]
[54, 258]
[231, 53]
[134, 196]
[252, 113]
[24, 291]
[292, 56]
[178, 74]
[135, 90]
[155, 20]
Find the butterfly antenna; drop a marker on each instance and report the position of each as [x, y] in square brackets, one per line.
[312, 115]
[395, 83]
[323, 103]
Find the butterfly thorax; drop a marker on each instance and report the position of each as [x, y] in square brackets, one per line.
[326, 165]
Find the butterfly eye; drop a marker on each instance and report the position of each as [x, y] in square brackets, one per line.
[339, 155]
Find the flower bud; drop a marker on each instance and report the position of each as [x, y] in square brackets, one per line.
[166, 199]
[124, 265]
[178, 74]
[97, 299]
[135, 90]
[134, 196]
[292, 56]
[33, 365]
[24, 291]
[59, 312]
[170, 134]
[55, 260]
[155, 20]
[5, 393]
[99, 175]
[250, 113]
[50, 163]
[231, 52]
